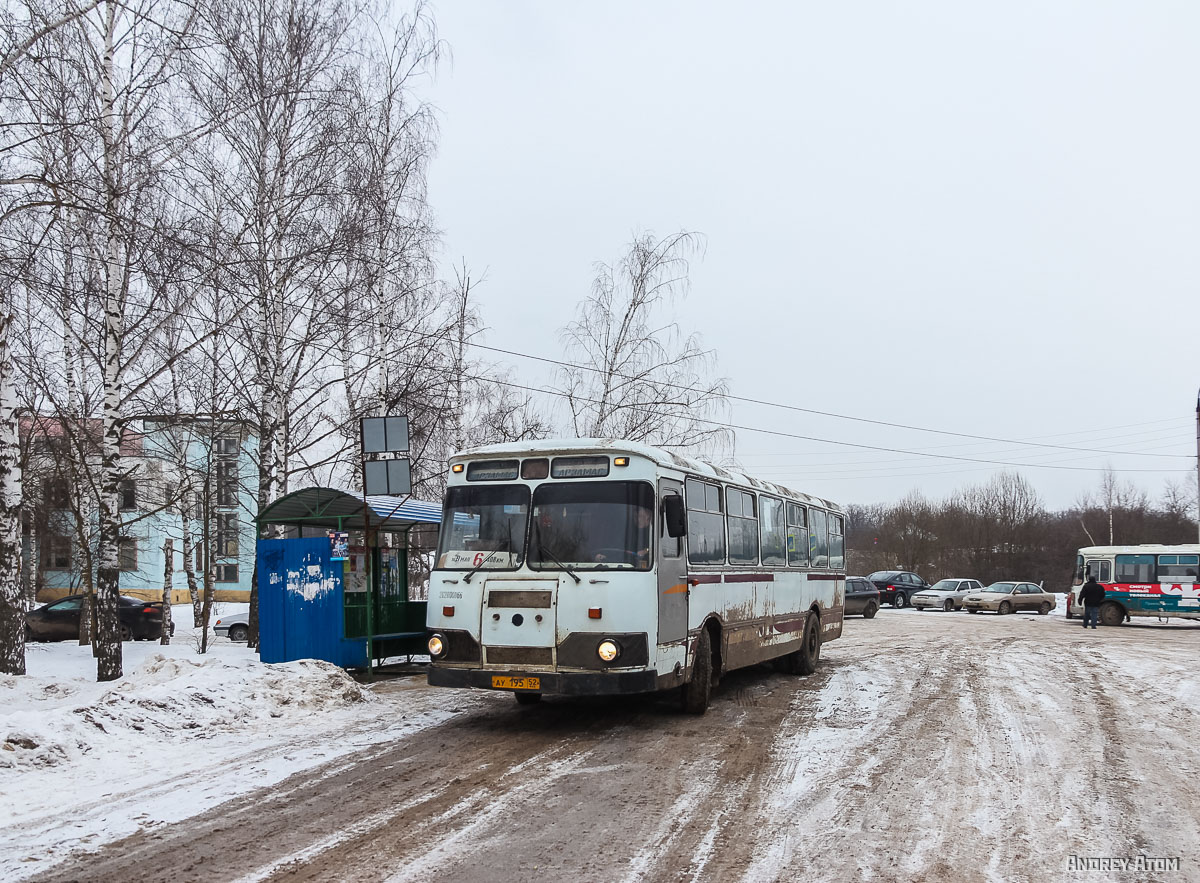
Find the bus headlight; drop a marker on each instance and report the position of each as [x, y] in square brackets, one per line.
[608, 650]
[437, 646]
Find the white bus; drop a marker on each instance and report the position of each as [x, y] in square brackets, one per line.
[599, 567]
[1148, 580]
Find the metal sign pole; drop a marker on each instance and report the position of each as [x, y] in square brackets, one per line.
[391, 477]
[369, 568]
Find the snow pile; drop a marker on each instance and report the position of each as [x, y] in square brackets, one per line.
[44, 722]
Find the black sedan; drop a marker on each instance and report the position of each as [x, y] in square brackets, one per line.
[861, 597]
[59, 620]
[897, 586]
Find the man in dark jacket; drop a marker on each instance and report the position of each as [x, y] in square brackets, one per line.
[1091, 596]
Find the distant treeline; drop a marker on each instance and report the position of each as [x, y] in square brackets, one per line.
[1001, 530]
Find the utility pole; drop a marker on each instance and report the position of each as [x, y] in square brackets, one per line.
[1198, 460]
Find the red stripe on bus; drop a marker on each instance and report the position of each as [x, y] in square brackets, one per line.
[818, 577]
[790, 625]
[698, 578]
[749, 577]
[1149, 588]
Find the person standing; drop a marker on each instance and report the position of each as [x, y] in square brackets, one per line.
[1091, 596]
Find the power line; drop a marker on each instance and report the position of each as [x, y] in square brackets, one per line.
[739, 427]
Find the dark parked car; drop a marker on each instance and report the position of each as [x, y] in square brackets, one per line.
[861, 597]
[897, 586]
[59, 620]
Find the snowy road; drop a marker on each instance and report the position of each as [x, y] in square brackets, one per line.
[928, 746]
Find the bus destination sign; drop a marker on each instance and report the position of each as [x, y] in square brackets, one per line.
[579, 467]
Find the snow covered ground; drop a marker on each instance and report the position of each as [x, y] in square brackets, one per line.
[928, 746]
[83, 763]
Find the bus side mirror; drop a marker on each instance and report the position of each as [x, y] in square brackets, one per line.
[675, 516]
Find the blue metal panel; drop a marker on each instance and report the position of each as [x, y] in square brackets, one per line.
[300, 604]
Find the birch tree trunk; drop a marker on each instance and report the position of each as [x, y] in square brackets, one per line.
[108, 638]
[209, 578]
[189, 551]
[168, 575]
[12, 606]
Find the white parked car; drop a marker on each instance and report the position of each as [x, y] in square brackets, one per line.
[235, 626]
[945, 594]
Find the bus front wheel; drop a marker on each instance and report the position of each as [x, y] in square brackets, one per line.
[1111, 613]
[695, 692]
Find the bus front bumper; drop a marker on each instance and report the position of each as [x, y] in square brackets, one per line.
[565, 683]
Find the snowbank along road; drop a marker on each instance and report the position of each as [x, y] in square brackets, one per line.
[928, 746]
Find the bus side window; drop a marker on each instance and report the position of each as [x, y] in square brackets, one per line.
[1178, 568]
[837, 543]
[818, 538]
[797, 535]
[773, 532]
[670, 545]
[706, 524]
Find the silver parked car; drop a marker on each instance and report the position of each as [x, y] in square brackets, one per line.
[235, 626]
[945, 594]
[1009, 597]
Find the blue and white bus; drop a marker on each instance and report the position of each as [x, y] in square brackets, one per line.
[593, 566]
[1147, 580]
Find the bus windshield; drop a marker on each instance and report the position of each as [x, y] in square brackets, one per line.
[483, 527]
[592, 525]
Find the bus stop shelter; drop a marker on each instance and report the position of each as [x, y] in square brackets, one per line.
[335, 585]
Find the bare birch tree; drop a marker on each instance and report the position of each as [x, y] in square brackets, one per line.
[279, 166]
[117, 66]
[634, 374]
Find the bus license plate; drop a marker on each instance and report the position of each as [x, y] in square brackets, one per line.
[503, 682]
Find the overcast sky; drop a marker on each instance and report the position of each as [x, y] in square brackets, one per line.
[965, 217]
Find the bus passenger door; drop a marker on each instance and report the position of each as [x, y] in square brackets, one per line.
[672, 574]
[1100, 569]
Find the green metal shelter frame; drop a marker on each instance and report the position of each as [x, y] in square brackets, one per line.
[382, 615]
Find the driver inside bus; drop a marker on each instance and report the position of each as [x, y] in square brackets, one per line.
[639, 556]
[645, 520]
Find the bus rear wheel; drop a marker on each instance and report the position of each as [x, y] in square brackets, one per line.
[809, 653]
[1111, 613]
[804, 661]
[695, 692]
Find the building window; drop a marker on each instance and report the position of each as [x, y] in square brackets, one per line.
[227, 533]
[226, 483]
[227, 447]
[57, 493]
[127, 494]
[57, 554]
[227, 573]
[127, 554]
